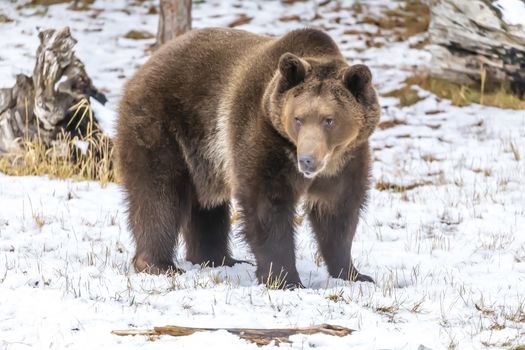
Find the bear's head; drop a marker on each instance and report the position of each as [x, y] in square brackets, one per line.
[324, 107]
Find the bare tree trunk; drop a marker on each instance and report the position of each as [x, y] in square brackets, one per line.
[174, 19]
[472, 41]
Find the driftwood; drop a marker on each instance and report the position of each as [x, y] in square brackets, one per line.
[257, 336]
[472, 42]
[40, 105]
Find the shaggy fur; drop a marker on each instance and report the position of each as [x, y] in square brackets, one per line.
[220, 113]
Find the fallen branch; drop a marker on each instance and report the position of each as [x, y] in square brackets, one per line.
[257, 336]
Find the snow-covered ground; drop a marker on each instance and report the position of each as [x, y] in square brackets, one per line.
[443, 235]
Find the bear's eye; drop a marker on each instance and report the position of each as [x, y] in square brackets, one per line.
[328, 122]
[298, 121]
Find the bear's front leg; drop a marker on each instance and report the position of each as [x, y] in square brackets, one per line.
[334, 205]
[268, 217]
[334, 229]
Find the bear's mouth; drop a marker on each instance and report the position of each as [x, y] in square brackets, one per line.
[309, 174]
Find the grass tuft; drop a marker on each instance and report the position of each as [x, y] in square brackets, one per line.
[515, 151]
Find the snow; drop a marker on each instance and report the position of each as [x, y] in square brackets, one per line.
[513, 11]
[82, 146]
[105, 116]
[448, 254]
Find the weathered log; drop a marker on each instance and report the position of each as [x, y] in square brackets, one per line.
[174, 19]
[472, 41]
[258, 336]
[40, 106]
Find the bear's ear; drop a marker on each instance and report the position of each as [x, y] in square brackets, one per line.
[293, 69]
[357, 79]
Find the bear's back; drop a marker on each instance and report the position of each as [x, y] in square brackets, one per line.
[196, 86]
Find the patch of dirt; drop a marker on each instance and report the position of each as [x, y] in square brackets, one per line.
[411, 18]
[5, 19]
[407, 95]
[387, 124]
[138, 35]
[244, 19]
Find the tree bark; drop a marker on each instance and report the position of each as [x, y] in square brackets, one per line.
[473, 42]
[40, 105]
[174, 19]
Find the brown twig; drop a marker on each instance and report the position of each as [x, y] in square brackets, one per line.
[257, 336]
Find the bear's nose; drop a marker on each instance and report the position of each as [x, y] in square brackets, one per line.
[307, 164]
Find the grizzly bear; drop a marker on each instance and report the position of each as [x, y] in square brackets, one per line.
[220, 114]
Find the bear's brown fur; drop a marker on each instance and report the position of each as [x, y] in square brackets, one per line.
[218, 114]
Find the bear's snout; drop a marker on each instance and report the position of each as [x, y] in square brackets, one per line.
[307, 164]
[312, 150]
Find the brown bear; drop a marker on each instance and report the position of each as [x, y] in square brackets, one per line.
[221, 114]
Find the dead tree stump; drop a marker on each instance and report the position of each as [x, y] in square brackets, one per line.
[40, 105]
[472, 41]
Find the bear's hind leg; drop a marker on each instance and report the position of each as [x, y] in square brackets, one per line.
[155, 223]
[156, 182]
[206, 235]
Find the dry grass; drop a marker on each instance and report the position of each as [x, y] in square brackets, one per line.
[5, 19]
[64, 158]
[495, 95]
[461, 95]
[389, 186]
[276, 281]
[76, 5]
[515, 151]
[46, 2]
[336, 297]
